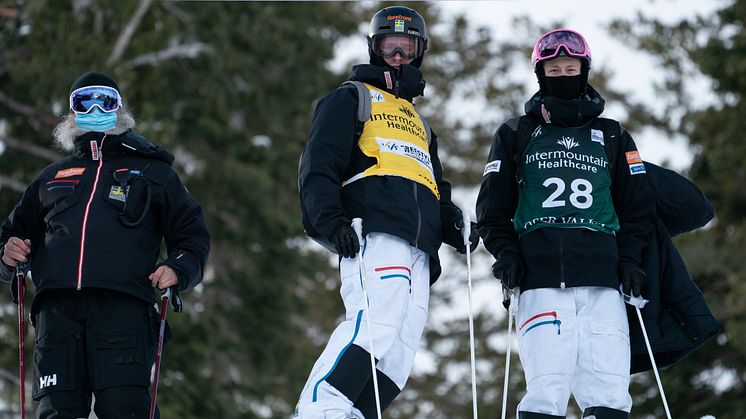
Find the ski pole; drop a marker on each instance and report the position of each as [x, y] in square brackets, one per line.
[638, 303]
[21, 269]
[652, 361]
[467, 233]
[357, 225]
[512, 294]
[159, 349]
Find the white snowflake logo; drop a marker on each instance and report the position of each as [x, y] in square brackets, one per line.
[568, 142]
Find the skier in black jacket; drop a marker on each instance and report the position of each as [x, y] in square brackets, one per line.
[91, 226]
[566, 228]
[387, 172]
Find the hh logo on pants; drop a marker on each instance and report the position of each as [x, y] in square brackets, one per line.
[48, 380]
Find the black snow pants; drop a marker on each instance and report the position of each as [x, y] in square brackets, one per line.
[93, 342]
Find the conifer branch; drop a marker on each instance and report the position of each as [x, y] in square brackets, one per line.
[191, 50]
[129, 29]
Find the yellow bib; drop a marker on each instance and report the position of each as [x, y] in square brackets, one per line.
[395, 136]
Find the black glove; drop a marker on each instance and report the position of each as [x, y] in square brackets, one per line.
[345, 242]
[458, 225]
[453, 229]
[632, 279]
[508, 269]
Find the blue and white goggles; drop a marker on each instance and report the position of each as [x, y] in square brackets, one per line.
[104, 97]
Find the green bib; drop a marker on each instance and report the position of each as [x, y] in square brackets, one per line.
[567, 181]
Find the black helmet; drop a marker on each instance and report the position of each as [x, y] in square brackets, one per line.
[397, 20]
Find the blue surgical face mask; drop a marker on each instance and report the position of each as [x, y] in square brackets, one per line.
[96, 120]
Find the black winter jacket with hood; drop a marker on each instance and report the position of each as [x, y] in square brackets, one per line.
[387, 204]
[565, 257]
[85, 234]
[677, 318]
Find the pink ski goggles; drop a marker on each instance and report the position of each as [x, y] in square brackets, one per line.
[553, 43]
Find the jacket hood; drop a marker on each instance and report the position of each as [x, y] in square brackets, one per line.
[126, 142]
[406, 83]
[566, 113]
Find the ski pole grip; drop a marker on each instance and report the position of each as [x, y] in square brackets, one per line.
[514, 297]
[357, 225]
[467, 228]
[176, 303]
[22, 268]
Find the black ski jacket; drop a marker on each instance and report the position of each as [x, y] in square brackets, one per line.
[677, 318]
[387, 204]
[85, 233]
[569, 257]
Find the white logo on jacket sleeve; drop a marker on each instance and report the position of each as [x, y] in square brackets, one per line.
[597, 136]
[492, 167]
[636, 168]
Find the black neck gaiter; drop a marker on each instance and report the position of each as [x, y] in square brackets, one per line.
[565, 87]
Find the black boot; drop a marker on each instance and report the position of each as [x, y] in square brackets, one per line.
[532, 415]
[604, 413]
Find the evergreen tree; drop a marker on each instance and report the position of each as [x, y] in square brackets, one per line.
[710, 48]
[229, 88]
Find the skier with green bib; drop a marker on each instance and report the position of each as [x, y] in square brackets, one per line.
[565, 208]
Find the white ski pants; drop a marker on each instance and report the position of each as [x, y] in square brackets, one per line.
[397, 279]
[574, 341]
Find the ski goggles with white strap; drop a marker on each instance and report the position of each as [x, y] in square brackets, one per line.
[553, 43]
[104, 97]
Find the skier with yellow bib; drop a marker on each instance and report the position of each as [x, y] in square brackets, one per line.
[382, 167]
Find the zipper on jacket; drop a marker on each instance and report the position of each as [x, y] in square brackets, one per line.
[100, 155]
[419, 217]
[562, 261]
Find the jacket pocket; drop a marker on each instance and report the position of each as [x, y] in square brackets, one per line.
[59, 195]
[131, 199]
[54, 365]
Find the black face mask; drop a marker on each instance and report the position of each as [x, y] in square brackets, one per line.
[565, 87]
[411, 83]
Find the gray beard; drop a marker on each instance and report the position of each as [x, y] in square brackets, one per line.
[67, 131]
